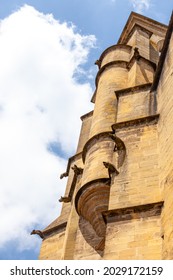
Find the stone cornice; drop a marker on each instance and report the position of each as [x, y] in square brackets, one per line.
[144, 121]
[142, 59]
[133, 212]
[114, 47]
[136, 18]
[131, 90]
[138, 27]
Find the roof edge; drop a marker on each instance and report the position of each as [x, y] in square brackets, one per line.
[134, 14]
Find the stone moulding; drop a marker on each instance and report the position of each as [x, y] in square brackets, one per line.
[117, 63]
[142, 59]
[140, 28]
[133, 212]
[92, 140]
[133, 19]
[114, 47]
[144, 121]
[119, 144]
[131, 90]
[122, 64]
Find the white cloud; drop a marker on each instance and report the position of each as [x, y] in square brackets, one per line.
[40, 103]
[141, 5]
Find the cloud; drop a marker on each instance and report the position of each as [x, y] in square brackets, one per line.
[140, 5]
[41, 101]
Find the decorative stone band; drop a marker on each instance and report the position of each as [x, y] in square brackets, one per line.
[113, 48]
[91, 200]
[96, 138]
[124, 64]
[116, 63]
[148, 120]
[134, 212]
[131, 90]
[107, 135]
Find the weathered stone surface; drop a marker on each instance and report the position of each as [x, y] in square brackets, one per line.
[118, 201]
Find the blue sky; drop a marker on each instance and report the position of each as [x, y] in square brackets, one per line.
[47, 54]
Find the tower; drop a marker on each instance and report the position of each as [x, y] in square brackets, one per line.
[118, 201]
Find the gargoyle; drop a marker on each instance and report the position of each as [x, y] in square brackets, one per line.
[119, 147]
[65, 199]
[136, 53]
[111, 168]
[38, 232]
[98, 63]
[65, 174]
[77, 170]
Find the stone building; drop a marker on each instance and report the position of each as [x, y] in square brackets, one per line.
[118, 202]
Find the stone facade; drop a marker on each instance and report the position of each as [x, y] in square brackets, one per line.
[118, 202]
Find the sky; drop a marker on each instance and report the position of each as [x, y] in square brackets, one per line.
[47, 78]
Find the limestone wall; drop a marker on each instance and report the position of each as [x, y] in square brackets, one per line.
[137, 239]
[165, 131]
[122, 171]
[137, 182]
[52, 247]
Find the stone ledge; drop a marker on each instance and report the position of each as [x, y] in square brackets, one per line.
[134, 212]
[144, 121]
[131, 90]
[142, 59]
